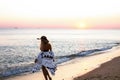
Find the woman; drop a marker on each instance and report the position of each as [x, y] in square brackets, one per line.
[46, 58]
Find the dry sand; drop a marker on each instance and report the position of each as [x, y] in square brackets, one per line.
[104, 66]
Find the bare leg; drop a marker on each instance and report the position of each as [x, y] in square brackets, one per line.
[45, 73]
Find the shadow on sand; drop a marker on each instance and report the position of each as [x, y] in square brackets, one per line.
[107, 71]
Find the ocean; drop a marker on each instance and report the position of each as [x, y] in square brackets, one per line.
[20, 47]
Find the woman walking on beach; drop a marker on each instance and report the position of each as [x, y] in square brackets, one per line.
[46, 58]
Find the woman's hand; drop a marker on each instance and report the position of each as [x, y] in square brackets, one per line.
[36, 61]
[53, 60]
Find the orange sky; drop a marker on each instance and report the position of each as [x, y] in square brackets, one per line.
[75, 14]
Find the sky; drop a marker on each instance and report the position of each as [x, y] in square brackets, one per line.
[65, 14]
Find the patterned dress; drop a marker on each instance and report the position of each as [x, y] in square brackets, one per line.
[45, 59]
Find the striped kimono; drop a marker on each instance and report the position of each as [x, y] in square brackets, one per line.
[45, 59]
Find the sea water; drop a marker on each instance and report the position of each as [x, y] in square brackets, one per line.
[20, 47]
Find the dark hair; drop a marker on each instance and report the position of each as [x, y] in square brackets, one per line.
[44, 39]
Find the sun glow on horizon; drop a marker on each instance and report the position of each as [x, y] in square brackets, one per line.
[61, 14]
[81, 25]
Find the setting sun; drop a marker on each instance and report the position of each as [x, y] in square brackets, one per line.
[81, 25]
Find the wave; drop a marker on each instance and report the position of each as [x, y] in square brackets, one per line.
[27, 68]
[16, 70]
[81, 54]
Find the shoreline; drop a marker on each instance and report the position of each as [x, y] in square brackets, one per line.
[83, 66]
[26, 69]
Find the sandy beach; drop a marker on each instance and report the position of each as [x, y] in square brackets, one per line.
[105, 66]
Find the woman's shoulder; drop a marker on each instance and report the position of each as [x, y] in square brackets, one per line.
[49, 44]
